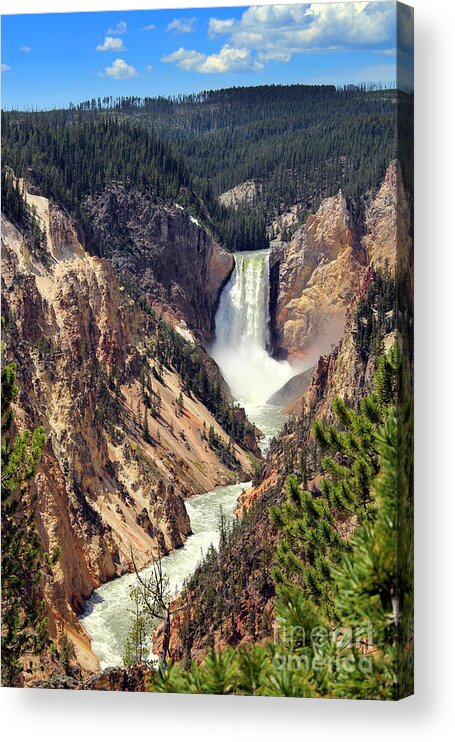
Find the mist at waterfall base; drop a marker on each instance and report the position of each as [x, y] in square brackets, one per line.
[253, 376]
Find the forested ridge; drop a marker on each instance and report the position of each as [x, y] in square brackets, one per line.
[72, 157]
[297, 143]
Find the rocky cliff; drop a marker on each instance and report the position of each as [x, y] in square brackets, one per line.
[348, 371]
[319, 274]
[163, 252]
[121, 453]
[321, 269]
[387, 221]
[242, 194]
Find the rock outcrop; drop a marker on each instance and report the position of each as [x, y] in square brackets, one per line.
[345, 372]
[387, 221]
[163, 252]
[242, 194]
[322, 267]
[107, 489]
[318, 276]
[133, 679]
[292, 390]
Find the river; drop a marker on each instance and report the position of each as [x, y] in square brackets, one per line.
[240, 350]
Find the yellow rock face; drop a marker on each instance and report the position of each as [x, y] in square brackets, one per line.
[323, 266]
[319, 274]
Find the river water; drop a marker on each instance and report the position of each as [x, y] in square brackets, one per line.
[106, 616]
[241, 351]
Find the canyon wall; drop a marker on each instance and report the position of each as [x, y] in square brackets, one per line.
[320, 271]
[318, 276]
[164, 252]
[108, 490]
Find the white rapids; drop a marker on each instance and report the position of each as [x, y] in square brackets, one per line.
[106, 616]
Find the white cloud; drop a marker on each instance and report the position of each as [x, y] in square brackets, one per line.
[185, 59]
[149, 68]
[25, 49]
[227, 59]
[274, 56]
[119, 29]
[110, 44]
[277, 32]
[150, 27]
[218, 26]
[182, 25]
[5, 67]
[120, 70]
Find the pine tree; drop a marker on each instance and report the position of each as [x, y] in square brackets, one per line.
[156, 404]
[137, 644]
[24, 621]
[145, 425]
[180, 404]
[311, 544]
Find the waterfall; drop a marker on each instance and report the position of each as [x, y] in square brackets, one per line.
[241, 327]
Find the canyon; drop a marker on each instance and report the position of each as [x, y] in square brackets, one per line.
[108, 492]
[82, 326]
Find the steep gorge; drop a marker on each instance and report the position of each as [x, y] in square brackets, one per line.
[85, 352]
[121, 452]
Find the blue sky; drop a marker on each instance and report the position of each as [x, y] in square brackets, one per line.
[51, 59]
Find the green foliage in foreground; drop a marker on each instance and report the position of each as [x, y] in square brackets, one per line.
[24, 622]
[357, 643]
[311, 522]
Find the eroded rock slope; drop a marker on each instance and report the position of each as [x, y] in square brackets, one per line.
[123, 448]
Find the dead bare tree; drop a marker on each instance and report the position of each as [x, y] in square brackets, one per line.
[157, 599]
